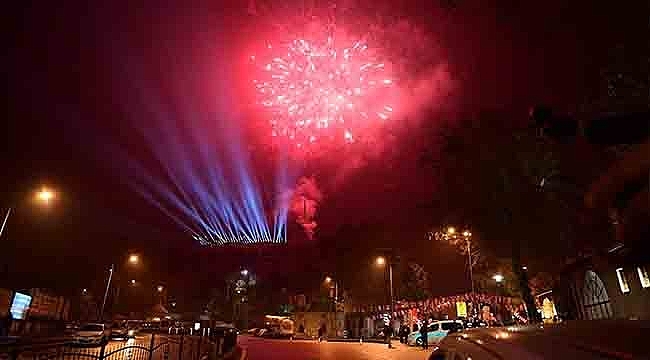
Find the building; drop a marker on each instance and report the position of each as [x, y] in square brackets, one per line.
[613, 284]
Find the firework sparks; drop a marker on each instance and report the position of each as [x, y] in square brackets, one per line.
[317, 91]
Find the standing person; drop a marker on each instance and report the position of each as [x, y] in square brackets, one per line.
[424, 335]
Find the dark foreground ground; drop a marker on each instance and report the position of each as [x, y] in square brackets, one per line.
[271, 349]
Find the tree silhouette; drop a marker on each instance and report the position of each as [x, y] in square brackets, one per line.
[416, 285]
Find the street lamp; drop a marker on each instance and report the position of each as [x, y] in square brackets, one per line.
[42, 196]
[498, 278]
[160, 288]
[329, 280]
[244, 272]
[465, 238]
[134, 259]
[381, 261]
[45, 195]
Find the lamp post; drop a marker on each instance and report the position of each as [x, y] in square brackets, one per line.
[133, 260]
[382, 261]
[108, 285]
[330, 281]
[42, 196]
[465, 240]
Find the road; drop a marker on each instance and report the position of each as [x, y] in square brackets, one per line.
[272, 349]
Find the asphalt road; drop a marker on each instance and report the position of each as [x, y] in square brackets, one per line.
[272, 349]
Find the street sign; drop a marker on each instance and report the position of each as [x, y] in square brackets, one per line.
[461, 309]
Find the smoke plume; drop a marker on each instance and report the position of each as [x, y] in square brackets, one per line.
[304, 203]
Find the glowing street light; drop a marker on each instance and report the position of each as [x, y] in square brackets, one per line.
[381, 261]
[450, 235]
[134, 259]
[42, 196]
[45, 195]
[244, 272]
[160, 288]
[498, 278]
[329, 280]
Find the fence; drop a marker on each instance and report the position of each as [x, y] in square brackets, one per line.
[150, 347]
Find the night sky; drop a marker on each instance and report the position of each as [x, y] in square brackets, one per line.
[66, 113]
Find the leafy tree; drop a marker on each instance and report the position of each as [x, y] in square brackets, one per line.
[485, 282]
[518, 188]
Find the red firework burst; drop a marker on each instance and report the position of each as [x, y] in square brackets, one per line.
[322, 91]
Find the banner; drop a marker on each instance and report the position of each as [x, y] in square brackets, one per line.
[461, 309]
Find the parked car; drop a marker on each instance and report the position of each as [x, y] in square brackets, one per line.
[590, 339]
[122, 332]
[91, 334]
[437, 331]
[474, 323]
[70, 329]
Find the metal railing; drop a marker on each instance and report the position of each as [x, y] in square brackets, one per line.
[150, 347]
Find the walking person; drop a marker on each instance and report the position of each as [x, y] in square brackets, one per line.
[322, 332]
[424, 335]
[388, 333]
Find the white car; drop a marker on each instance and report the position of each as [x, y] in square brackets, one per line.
[437, 331]
[91, 334]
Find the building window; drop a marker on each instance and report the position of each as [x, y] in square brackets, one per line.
[643, 276]
[622, 281]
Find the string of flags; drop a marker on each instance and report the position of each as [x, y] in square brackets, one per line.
[441, 304]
